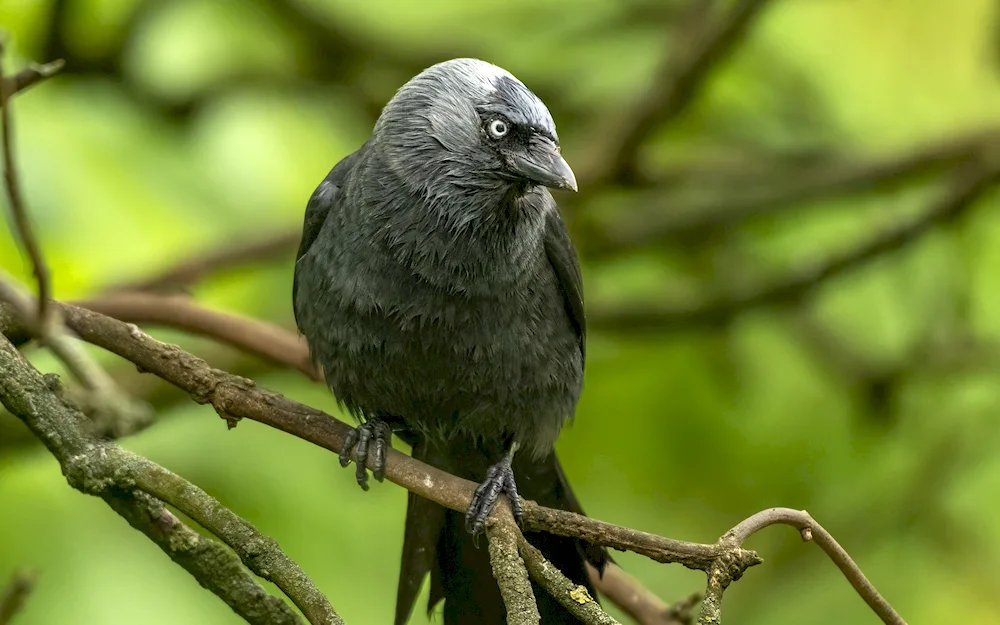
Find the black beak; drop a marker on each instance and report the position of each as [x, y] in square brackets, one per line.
[542, 163]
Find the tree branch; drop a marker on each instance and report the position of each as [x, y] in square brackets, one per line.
[208, 561]
[135, 488]
[258, 552]
[966, 187]
[271, 342]
[573, 597]
[12, 184]
[112, 412]
[811, 530]
[711, 603]
[509, 570]
[28, 77]
[235, 398]
[696, 556]
[284, 348]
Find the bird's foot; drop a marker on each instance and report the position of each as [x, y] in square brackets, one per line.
[367, 445]
[499, 480]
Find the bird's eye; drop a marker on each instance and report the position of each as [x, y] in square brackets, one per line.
[498, 128]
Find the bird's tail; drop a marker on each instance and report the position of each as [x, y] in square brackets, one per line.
[437, 542]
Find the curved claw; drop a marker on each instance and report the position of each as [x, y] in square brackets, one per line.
[361, 456]
[510, 487]
[499, 480]
[367, 445]
[379, 457]
[348, 449]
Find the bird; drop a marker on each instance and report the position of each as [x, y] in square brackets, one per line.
[437, 288]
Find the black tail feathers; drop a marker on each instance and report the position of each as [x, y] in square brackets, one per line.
[437, 542]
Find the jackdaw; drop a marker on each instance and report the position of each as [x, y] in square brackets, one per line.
[438, 289]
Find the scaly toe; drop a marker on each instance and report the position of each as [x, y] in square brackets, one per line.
[367, 445]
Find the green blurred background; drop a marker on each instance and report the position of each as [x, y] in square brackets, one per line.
[180, 126]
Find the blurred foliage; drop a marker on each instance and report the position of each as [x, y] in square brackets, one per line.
[183, 125]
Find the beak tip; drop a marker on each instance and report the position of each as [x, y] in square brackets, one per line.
[568, 179]
[545, 167]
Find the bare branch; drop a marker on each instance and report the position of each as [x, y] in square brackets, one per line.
[682, 611]
[208, 561]
[28, 77]
[573, 597]
[274, 247]
[14, 596]
[112, 412]
[236, 398]
[695, 556]
[711, 603]
[967, 186]
[263, 339]
[508, 568]
[811, 530]
[285, 348]
[17, 208]
[624, 591]
[258, 552]
[105, 470]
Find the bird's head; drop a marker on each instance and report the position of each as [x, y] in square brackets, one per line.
[469, 125]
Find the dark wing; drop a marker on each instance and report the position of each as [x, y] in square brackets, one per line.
[564, 261]
[325, 198]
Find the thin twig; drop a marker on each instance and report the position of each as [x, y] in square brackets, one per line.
[22, 223]
[257, 337]
[811, 530]
[28, 77]
[682, 612]
[15, 594]
[697, 556]
[114, 413]
[509, 570]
